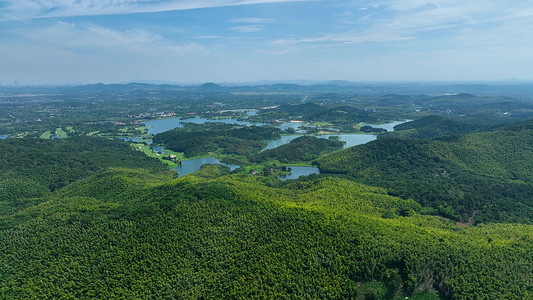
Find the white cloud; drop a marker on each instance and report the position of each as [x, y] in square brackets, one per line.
[63, 52]
[409, 5]
[347, 38]
[252, 20]
[30, 9]
[432, 39]
[209, 37]
[253, 24]
[102, 40]
[248, 28]
[401, 20]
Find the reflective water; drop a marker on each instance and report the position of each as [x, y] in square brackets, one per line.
[128, 139]
[251, 113]
[162, 125]
[296, 172]
[295, 126]
[285, 139]
[192, 165]
[158, 126]
[388, 126]
[350, 139]
[158, 149]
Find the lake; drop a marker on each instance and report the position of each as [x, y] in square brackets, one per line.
[251, 113]
[158, 149]
[295, 126]
[284, 139]
[192, 165]
[3, 137]
[388, 126]
[130, 139]
[351, 139]
[296, 172]
[162, 125]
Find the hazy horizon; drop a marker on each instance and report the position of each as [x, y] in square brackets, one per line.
[244, 41]
[510, 81]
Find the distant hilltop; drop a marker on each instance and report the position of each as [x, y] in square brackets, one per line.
[467, 90]
[211, 86]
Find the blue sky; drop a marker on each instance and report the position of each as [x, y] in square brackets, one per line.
[89, 41]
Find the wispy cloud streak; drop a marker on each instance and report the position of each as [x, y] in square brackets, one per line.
[252, 24]
[252, 20]
[402, 20]
[31, 9]
[104, 41]
[347, 38]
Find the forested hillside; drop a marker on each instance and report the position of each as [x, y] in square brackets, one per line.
[343, 116]
[302, 149]
[118, 232]
[32, 168]
[482, 176]
[201, 139]
[433, 126]
[503, 153]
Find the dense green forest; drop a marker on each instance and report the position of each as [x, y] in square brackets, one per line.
[194, 139]
[484, 110]
[479, 177]
[343, 116]
[302, 149]
[30, 169]
[433, 126]
[441, 208]
[117, 232]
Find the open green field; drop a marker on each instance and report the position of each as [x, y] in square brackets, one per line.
[151, 153]
[322, 124]
[46, 135]
[61, 133]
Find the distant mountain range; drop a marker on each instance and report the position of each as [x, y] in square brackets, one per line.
[520, 89]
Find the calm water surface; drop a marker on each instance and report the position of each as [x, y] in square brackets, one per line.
[128, 139]
[300, 171]
[388, 126]
[350, 139]
[158, 126]
[284, 139]
[193, 165]
[295, 126]
[158, 149]
[162, 125]
[251, 113]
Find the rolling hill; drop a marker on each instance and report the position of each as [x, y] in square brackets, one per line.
[486, 175]
[136, 231]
